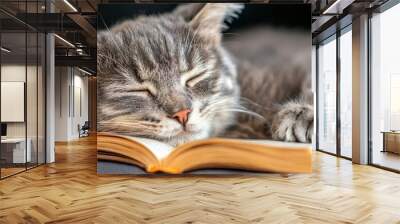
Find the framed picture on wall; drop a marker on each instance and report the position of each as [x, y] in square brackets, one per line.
[12, 101]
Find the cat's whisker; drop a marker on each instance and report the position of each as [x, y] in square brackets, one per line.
[128, 127]
[246, 100]
[121, 126]
[214, 105]
[224, 102]
[220, 99]
[211, 107]
[243, 111]
[143, 124]
[252, 103]
[124, 123]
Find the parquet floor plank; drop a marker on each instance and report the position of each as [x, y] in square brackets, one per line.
[70, 191]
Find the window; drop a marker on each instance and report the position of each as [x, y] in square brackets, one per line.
[346, 92]
[327, 96]
[334, 106]
[385, 89]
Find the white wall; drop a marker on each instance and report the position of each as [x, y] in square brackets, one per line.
[71, 102]
[80, 109]
[62, 80]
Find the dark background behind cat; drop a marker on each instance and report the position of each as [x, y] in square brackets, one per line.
[280, 16]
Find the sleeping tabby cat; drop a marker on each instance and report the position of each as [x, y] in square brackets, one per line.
[173, 77]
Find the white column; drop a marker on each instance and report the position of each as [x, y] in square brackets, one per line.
[360, 90]
[50, 93]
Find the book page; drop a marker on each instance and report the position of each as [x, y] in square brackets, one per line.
[159, 149]
[290, 145]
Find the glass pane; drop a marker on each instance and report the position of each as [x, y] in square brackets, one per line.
[385, 86]
[32, 88]
[13, 87]
[23, 89]
[327, 96]
[346, 94]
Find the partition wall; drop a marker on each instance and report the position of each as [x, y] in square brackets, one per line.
[22, 77]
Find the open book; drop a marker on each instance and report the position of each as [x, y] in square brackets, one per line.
[254, 155]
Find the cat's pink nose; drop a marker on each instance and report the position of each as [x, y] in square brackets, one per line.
[182, 116]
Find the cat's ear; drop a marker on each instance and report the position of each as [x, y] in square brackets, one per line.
[188, 11]
[208, 19]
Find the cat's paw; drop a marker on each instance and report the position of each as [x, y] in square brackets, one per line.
[294, 122]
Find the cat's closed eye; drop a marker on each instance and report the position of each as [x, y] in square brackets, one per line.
[192, 77]
[144, 88]
[140, 91]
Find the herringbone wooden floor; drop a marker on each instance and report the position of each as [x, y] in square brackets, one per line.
[69, 191]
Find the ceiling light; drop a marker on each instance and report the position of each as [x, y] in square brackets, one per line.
[79, 51]
[84, 71]
[5, 50]
[338, 6]
[65, 41]
[70, 5]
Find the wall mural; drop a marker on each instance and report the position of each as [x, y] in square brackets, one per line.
[204, 88]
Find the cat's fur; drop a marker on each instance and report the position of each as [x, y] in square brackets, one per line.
[153, 66]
